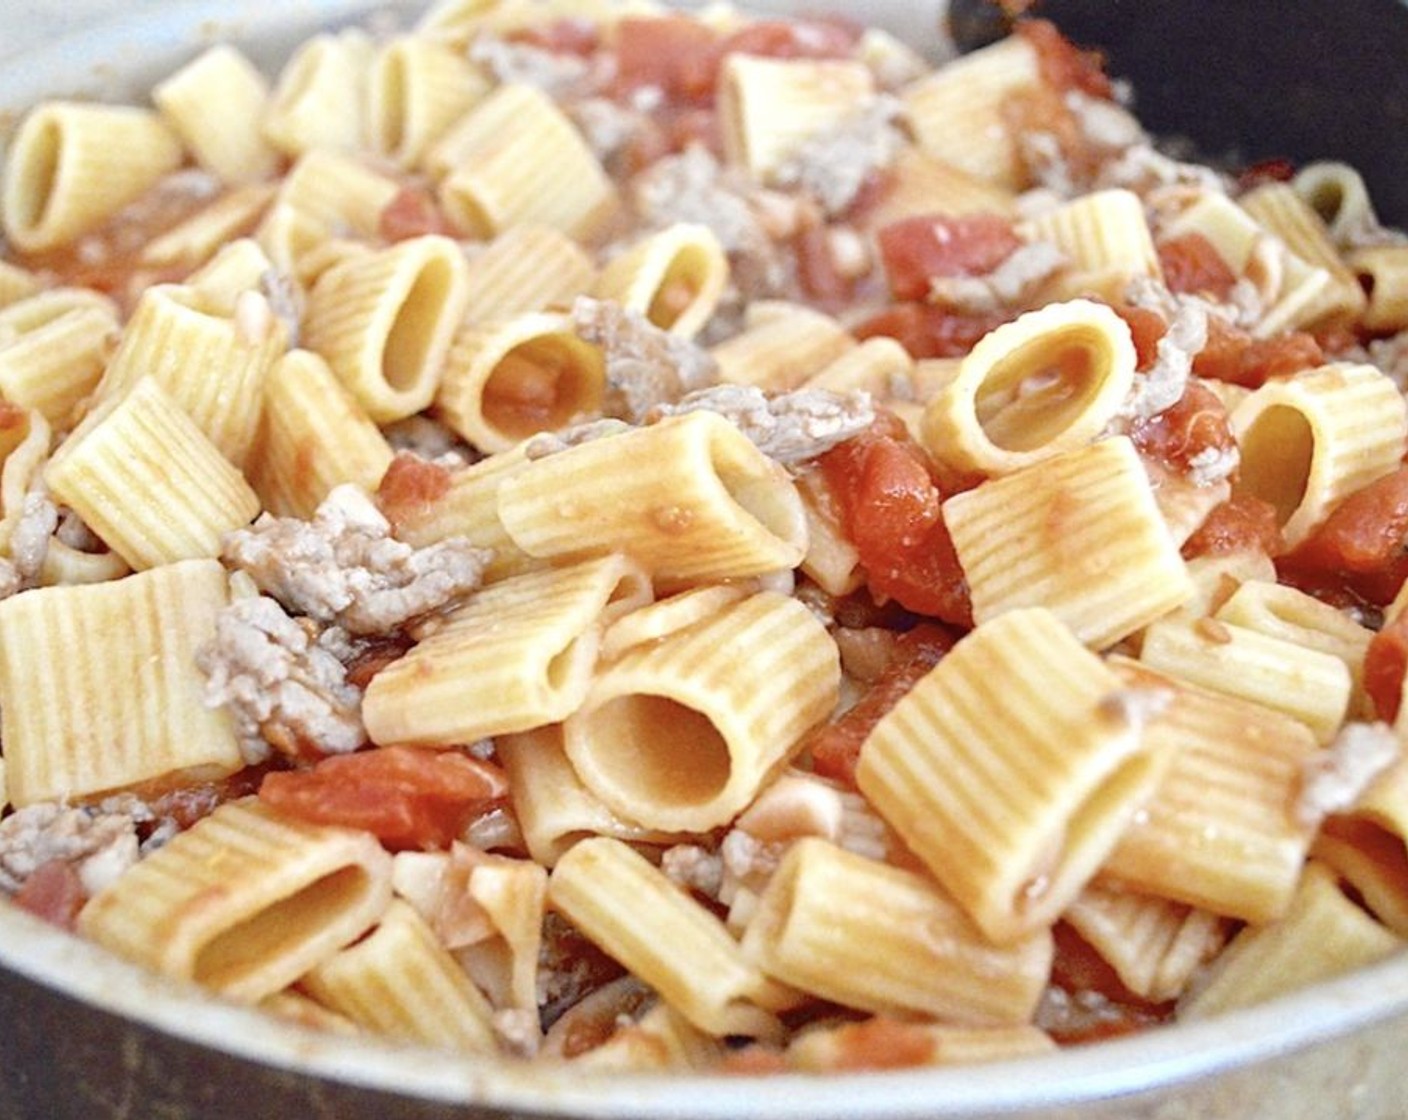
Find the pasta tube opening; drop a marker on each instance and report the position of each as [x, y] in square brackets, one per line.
[543, 384]
[280, 927]
[412, 336]
[36, 178]
[660, 750]
[1034, 393]
[1277, 451]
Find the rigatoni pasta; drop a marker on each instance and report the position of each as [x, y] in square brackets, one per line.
[651, 553]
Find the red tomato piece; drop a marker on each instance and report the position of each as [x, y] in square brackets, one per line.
[676, 54]
[1191, 264]
[1196, 424]
[890, 510]
[1064, 66]
[816, 269]
[835, 748]
[1365, 532]
[53, 892]
[1239, 524]
[407, 797]
[1146, 328]
[799, 38]
[1232, 355]
[1384, 666]
[410, 486]
[927, 331]
[916, 249]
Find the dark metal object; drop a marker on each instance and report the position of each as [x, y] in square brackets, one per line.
[1248, 80]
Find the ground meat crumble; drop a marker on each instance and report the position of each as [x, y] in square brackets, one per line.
[344, 567]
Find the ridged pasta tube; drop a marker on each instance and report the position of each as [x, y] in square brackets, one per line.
[1047, 382]
[690, 498]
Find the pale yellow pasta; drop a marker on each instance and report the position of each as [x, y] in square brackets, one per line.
[1370, 859]
[1079, 533]
[923, 184]
[236, 267]
[1279, 611]
[679, 735]
[99, 685]
[1221, 832]
[24, 445]
[554, 809]
[64, 565]
[417, 88]
[314, 436]
[516, 158]
[73, 164]
[661, 1039]
[1047, 382]
[663, 617]
[832, 560]
[957, 112]
[1383, 270]
[1216, 577]
[211, 354]
[148, 482]
[456, 21]
[693, 499]
[400, 982]
[325, 193]
[638, 916]
[1105, 239]
[674, 278]
[1336, 192]
[527, 268]
[1306, 684]
[780, 348]
[770, 107]
[16, 283]
[216, 104]
[1011, 769]
[245, 901]
[210, 230]
[385, 321]
[318, 100]
[1323, 934]
[506, 380]
[512, 894]
[1281, 211]
[469, 507]
[1183, 503]
[879, 366]
[41, 307]
[1155, 946]
[519, 654]
[1288, 288]
[1309, 441]
[53, 367]
[815, 930]
[845, 1047]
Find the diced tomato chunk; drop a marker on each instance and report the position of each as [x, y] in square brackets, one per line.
[1360, 546]
[835, 748]
[1384, 664]
[816, 268]
[675, 54]
[890, 509]
[407, 797]
[410, 486]
[1231, 355]
[927, 331]
[1195, 425]
[1240, 524]
[1193, 265]
[53, 892]
[1146, 328]
[915, 250]
[1276, 169]
[797, 38]
[1064, 66]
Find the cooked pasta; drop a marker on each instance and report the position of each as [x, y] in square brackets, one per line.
[566, 531]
